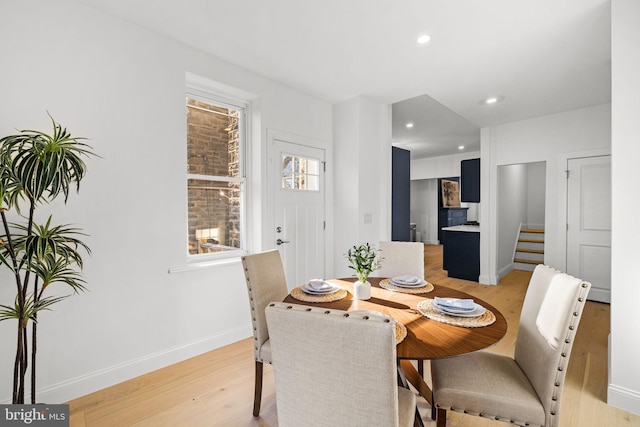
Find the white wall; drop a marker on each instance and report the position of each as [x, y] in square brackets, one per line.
[362, 176]
[124, 88]
[536, 173]
[624, 380]
[512, 211]
[551, 139]
[424, 209]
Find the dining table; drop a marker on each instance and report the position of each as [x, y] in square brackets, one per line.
[427, 333]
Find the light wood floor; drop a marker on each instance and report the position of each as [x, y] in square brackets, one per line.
[216, 388]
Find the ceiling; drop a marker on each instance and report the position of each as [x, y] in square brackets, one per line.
[542, 56]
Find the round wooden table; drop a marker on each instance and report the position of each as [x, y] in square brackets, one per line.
[426, 338]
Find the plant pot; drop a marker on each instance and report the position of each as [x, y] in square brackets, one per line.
[362, 290]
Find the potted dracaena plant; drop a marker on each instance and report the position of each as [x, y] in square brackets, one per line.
[35, 169]
[364, 260]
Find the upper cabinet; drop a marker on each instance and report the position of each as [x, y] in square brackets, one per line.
[470, 181]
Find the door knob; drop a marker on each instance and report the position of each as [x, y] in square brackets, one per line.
[280, 241]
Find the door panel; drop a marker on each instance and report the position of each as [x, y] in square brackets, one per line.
[589, 223]
[298, 181]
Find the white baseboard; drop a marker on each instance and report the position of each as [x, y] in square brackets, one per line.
[505, 270]
[485, 279]
[623, 398]
[600, 295]
[85, 384]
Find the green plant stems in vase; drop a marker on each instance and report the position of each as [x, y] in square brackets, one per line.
[364, 260]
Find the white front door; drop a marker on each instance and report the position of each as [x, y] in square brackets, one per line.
[589, 223]
[298, 180]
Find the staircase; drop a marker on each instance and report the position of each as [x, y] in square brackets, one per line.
[529, 249]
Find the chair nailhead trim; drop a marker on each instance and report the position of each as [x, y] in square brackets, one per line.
[308, 309]
[553, 412]
[289, 307]
[327, 312]
[346, 315]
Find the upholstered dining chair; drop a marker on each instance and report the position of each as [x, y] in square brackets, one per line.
[266, 282]
[401, 258]
[524, 390]
[335, 368]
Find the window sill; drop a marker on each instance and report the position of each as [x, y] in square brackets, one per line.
[203, 261]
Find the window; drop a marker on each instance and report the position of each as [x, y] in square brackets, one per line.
[300, 173]
[215, 180]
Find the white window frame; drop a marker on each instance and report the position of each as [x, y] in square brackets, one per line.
[208, 91]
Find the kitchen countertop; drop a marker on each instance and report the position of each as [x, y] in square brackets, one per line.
[466, 228]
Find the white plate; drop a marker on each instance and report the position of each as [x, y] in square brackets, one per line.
[420, 284]
[309, 290]
[477, 311]
[450, 308]
[401, 279]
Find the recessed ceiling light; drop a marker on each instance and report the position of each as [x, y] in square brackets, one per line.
[461, 147]
[423, 39]
[491, 100]
[409, 125]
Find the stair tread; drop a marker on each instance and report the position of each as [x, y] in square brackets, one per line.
[530, 241]
[527, 261]
[532, 230]
[531, 251]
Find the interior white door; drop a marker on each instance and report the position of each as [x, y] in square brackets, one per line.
[589, 223]
[298, 180]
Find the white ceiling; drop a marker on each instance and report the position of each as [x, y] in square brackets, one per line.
[543, 56]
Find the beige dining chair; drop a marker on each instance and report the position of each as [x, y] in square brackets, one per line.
[336, 368]
[400, 258]
[524, 390]
[264, 275]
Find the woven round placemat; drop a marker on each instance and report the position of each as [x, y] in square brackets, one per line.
[301, 295]
[401, 330]
[386, 284]
[429, 311]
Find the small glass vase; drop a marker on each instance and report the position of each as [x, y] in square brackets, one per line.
[362, 290]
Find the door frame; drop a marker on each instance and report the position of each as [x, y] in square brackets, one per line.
[268, 199]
